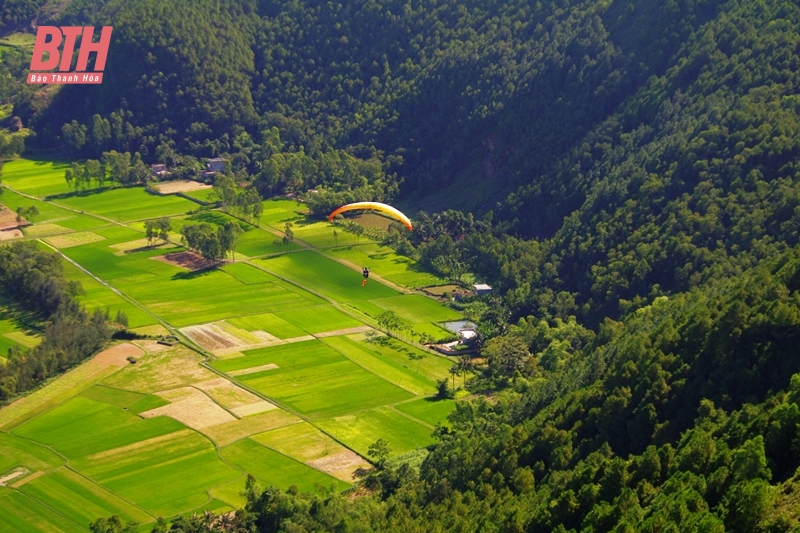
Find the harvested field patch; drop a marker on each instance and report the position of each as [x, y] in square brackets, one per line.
[188, 260]
[212, 337]
[68, 240]
[346, 331]
[273, 468]
[172, 187]
[27, 479]
[195, 410]
[253, 370]
[302, 441]
[254, 408]
[138, 245]
[11, 476]
[151, 346]
[340, 465]
[10, 234]
[227, 394]
[45, 230]
[118, 355]
[224, 434]
[176, 366]
[73, 382]
[154, 330]
[8, 218]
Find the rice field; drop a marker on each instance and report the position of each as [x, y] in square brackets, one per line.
[125, 205]
[325, 276]
[360, 430]
[36, 178]
[170, 436]
[383, 261]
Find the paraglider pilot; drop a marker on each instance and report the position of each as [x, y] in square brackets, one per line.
[365, 273]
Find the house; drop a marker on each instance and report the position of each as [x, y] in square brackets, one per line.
[215, 165]
[481, 289]
[467, 336]
[159, 169]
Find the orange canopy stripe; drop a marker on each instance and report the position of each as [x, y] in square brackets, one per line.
[374, 206]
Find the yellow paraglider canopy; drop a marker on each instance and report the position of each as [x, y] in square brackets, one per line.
[374, 206]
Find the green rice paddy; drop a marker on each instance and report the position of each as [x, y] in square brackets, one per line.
[125, 205]
[326, 276]
[87, 443]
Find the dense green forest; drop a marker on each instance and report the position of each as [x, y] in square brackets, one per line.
[626, 174]
[34, 280]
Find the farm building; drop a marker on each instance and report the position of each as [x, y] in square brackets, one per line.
[481, 289]
[215, 165]
[159, 169]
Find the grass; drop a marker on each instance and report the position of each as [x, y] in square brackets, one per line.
[181, 297]
[314, 379]
[382, 366]
[98, 296]
[73, 239]
[360, 430]
[37, 178]
[14, 331]
[325, 276]
[273, 468]
[117, 397]
[303, 442]
[428, 410]
[164, 476]
[385, 262]
[18, 512]
[427, 364]
[248, 274]
[151, 401]
[270, 323]
[73, 382]
[204, 195]
[125, 205]
[63, 220]
[318, 319]
[80, 500]
[321, 233]
[278, 212]
[76, 418]
[15, 452]
[416, 309]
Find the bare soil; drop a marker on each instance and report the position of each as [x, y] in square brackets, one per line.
[118, 355]
[11, 476]
[341, 465]
[9, 234]
[8, 219]
[188, 260]
[172, 187]
[195, 410]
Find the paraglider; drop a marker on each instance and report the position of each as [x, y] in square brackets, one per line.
[374, 206]
[365, 273]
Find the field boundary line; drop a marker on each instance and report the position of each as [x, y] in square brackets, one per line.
[415, 419]
[120, 496]
[399, 385]
[275, 402]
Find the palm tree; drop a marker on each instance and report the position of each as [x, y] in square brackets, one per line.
[464, 364]
[454, 370]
